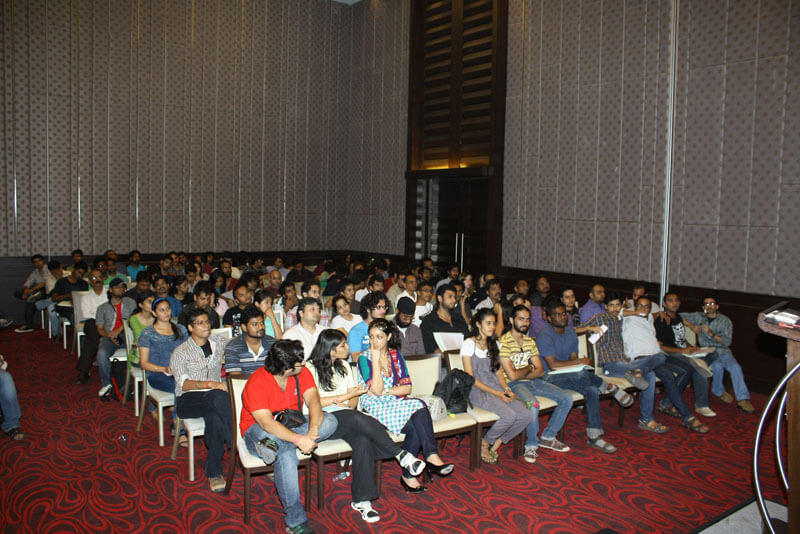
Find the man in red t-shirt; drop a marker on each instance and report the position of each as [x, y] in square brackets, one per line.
[270, 390]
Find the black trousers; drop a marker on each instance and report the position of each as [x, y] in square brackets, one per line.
[419, 436]
[369, 441]
[215, 409]
[89, 348]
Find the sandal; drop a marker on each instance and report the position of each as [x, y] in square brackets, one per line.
[15, 434]
[669, 410]
[653, 426]
[635, 377]
[602, 445]
[489, 456]
[183, 441]
[694, 424]
[624, 398]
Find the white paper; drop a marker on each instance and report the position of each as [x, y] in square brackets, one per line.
[448, 340]
[595, 337]
[569, 369]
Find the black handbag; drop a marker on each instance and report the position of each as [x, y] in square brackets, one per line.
[291, 418]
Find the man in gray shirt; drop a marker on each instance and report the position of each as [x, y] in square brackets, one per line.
[410, 334]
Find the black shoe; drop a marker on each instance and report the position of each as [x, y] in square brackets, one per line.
[409, 489]
[440, 470]
[82, 378]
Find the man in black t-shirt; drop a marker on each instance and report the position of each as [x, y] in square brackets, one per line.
[233, 317]
[62, 292]
[442, 318]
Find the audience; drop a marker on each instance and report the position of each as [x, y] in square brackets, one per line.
[344, 320]
[233, 316]
[263, 301]
[202, 298]
[309, 289]
[542, 286]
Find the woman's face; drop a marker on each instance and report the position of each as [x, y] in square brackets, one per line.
[378, 339]
[163, 311]
[486, 327]
[468, 281]
[183, 287]
[341, 352]
[218, 282]
[147, 305]
[568, 299]
[342, 307]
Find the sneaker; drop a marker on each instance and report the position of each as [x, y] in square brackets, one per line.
[304, 528]
[5, 323]
[746, 406]
[530, 455]
[726, 397]
[217, 484]
[267, 450]
[104, 390]
[23, 330]
[414, 465]
[3, 363]
[368, 513]
[705, 411]
[701, 367]
[553, 444]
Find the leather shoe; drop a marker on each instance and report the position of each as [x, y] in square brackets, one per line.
[82, 378]
[409, 489]
[746, 406]
[440, 470]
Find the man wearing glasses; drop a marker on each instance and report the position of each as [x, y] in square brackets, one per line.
[200, 391]
[373, 306]
[89, 304]
[716, 330]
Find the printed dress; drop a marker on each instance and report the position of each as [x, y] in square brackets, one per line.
[393, 412]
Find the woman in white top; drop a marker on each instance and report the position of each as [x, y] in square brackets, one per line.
[344, 320]
[480, 355]
[369, 440]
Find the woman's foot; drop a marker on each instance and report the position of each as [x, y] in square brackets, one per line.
[444, 470]
[488, 454]
[412, 485]
[368, 513]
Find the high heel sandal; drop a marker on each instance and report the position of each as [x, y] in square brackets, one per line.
[440, 470]
[409, 489]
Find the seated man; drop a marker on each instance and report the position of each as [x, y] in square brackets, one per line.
[442, 318]
[522, 370]
[374, 307]
[274, 279]
[558, 347]
[542, 286]
[410, 334]
[134, 267]
[200, 391]
[62, 293]
[142, 284]
[672, 340]
[299, 273]
[453, 270]
[233, 316]
[271, 390]
[595, 304]
[108, 321]
[202, 297]
[89, 304]
[32, 290]
[715, 330]
[410, 288]
[246, 353]
[308, 329]
[423, 304]
[494, 292]
[309, 289]
[374, 284]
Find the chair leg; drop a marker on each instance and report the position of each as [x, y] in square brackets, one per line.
[191, 455]
[160, 425]
[308, 485]
[320, 483]
[474, 448]
[136, 398]
[178, 422]
[126, 387]
[231, 470]
[247, 496]
[141, 412]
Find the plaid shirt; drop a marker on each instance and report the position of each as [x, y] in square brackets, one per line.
[188, 362]
[609, 347]
[720, 326]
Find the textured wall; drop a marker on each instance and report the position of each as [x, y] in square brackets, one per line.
[162, 124]
[586, 139]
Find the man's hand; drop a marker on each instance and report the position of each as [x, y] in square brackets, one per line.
[705, 328]
[306, 444]
[691, 350]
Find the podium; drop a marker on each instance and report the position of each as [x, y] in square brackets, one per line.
[792, 337]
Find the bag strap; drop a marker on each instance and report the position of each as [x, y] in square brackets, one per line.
[299, 398]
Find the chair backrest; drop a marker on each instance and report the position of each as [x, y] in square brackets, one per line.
[583, 346]
[280, 316]
[452, 358]
[235, 389]
[128, 334]
[691, 337]
[226, 332]
[76, 306]
[424, 373]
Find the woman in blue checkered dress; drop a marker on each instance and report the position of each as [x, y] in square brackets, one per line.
[387, 401]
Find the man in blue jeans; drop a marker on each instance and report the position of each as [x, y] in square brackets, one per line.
[9, 404]
[284, 384]
[522, 371]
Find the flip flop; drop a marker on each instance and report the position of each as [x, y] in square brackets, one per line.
[672, 411]
[693, 424]
[635, 377]
[657, 427]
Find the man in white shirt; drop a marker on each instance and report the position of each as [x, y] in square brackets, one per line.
[308, 329]
[423, 304]
[494, 291]
[410, 291]
[375, 283]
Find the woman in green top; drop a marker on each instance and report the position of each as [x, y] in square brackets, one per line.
[263, 301]
[139, 321]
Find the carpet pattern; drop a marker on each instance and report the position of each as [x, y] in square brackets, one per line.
[83, 468]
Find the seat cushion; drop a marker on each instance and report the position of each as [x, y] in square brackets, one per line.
[483, 416]
[195, 426]
[456, 422]
[332, 446]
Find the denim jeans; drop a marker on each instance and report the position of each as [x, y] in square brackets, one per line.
[51, 314]
[725, 361]
[586, 383]
[214, 407]
[105, 348]
[285, 466]
[646, 366]
[679, 364]
[164, 383]
[8, 402]
[527, 390]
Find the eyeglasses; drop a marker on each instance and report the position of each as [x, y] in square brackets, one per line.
[202, 322]
[381, 308]
[710, 304]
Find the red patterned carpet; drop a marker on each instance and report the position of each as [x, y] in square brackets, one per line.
[83, 468]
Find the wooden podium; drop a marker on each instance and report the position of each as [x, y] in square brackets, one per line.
[792, 337]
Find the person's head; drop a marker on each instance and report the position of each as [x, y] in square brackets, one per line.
[100, 265]
[192, 273]
[217, 278]
[287, 290]
[469, 283]
[180, 286]
[144, 300]
[542, 285]
[710, 304]
[110, 253]
[275, 278]
[198, 323]
[446, 297]
[77, 255]
[226, 268]
[597, 294]
[54, 266]
[482, 324]
[310, 288]
[642, 306]
[347, 289]
[161, 286]
[96, 279]
[568, 298]
[520, 319]
[142, 281]
[410, 282]
[253, 322]
[285, 358]
[243, 295]
[494, 290]
[521, 287]
[111, 265]
[427, 262]
[424, 292]
[134, 257]
[425, 273]
[375, 284]
[165, 262]
[263, 299]
[249, 279]
[181, 258]
[298, 266]
[162, 309]
[638, 291]
[614, 303]
[405, 312]
[672, 302]
[556, 313]
[173, 256]
[518, 299]
[382, 336]
[458, 285]
[453, 271]
[328, 355]
[79, 270]
[308, 311]
[341, 305]
[116, 289]
[278, 263]
[374, 305]
[203, 292]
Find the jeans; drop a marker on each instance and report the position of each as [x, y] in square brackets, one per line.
[51, 314]
[646, 366]
[285, 467]
[586, 383]
[419, 436]
[164, 383]
[99, 348]
[725, 361]
[684, 372]
[8, 402]
[527, 390]
[214, 407]
[105, 349]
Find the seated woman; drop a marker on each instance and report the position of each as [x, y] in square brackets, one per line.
[382, 370]
[480, 355]
[263, 301]
[139, 321]
[344, 320]
[366, 436]
[288, 294]
[156, 344]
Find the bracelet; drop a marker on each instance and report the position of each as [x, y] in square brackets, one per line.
[208, 385]
[296, 439]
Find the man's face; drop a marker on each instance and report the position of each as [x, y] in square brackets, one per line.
[614, 306]
[275, 278]
[379, 311]
[598, 293]
[543, 285]
[448, 300]
[118, 291]
[112, 254]
[298, 266]
[202, 300]
[426, 274]
[102, 267]
[294, 370]
[255, 327]
[142, 285]
[313, 292]
[710, 306]
[642, 307]
[191, 277]
[404, 319]
[161, 287]
[182, 259]
[165, 263]
[522, 287]
[349, 292]
[96, 278]
[310, 314]
[57, 272]
[135, 258]
[638, 292]
[568, 299]
[173, 258]
[77, 274]
[558, 317]
[111, 265]
[290, 292]
[453, 272]
[77, 257]
[243, 296]
[522, 322]
[459, 292]
[278, 263]
[377, 285]
[494, 292]
[411, 284]
[200, 327]
[672, 303]
[428, 264]
[226, 268]
[426, 293]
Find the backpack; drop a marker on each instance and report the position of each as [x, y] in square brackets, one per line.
[454, 391]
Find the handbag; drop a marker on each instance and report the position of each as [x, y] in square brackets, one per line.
[291, 418]
[435, 405]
